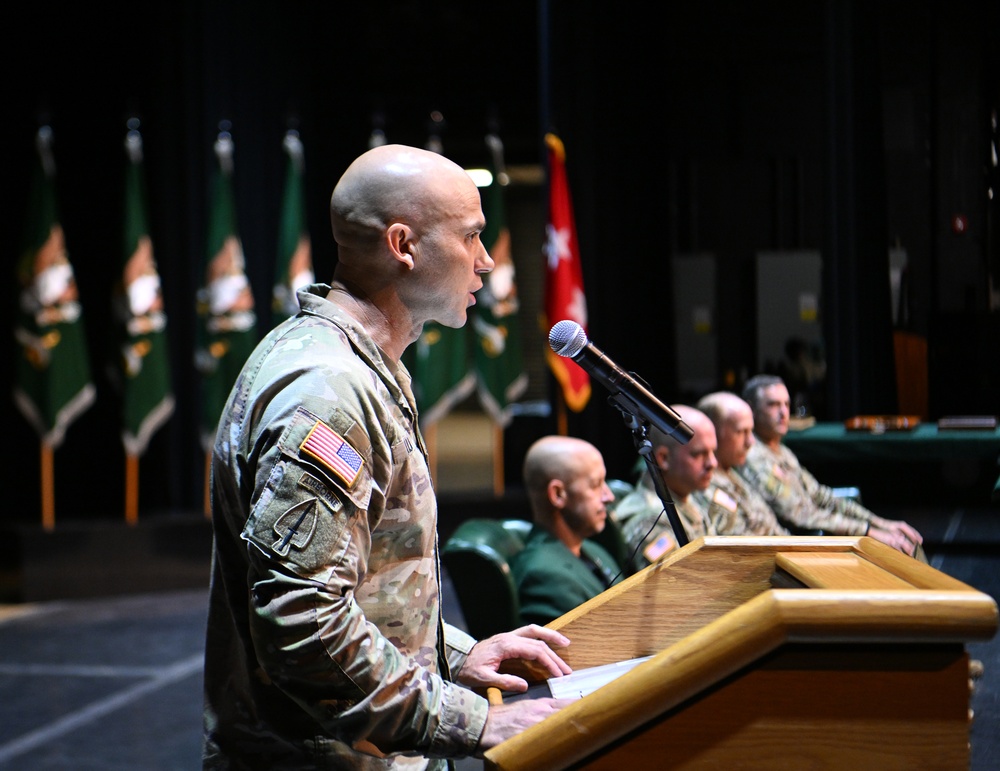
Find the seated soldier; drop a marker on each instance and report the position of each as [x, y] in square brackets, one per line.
[685, 469]
[797, 498]
[559, 568]
[733, 505]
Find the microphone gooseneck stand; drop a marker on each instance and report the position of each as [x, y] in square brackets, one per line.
[640, 437]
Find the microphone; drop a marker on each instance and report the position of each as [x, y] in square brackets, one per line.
[567, 338]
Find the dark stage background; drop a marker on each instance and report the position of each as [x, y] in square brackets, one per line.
[727, 127]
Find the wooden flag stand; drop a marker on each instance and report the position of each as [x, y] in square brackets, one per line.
[498, 467]
[48, 488]
[131, 489]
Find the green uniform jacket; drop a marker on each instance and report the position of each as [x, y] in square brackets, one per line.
[551, 580]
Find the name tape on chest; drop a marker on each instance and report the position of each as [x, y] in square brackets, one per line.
[333, 452]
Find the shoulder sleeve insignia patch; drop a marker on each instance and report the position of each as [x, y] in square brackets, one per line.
[333, 452]
[295, 527]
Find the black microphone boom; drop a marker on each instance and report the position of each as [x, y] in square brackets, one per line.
[567, 338]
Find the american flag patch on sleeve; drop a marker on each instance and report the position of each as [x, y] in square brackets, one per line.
[332, 450]
[659, 547]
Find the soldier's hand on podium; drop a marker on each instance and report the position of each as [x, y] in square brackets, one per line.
[901, 528]
[895, 538]
[531, 643]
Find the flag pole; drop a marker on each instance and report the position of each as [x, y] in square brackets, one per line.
[131, 488]
[498, 468]
[227, 333]
[48, 488]
[53, 385]
[144, 371]
[499, 368]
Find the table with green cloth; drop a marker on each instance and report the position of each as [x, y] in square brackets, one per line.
[918, 465]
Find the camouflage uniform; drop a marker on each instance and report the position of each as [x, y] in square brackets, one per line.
[637, 512]
[734, 507]
[798, 500]
[325, 646]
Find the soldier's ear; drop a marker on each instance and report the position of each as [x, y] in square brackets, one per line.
[399, 236]
[556, 493]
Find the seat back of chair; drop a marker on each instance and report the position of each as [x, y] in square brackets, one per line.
[477, 559]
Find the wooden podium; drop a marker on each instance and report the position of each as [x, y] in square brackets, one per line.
[768, 652]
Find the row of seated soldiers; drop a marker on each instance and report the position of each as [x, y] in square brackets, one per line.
[733, 477]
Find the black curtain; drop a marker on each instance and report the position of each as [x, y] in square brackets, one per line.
[856, 294]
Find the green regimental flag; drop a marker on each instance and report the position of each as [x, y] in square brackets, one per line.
[143, 369]
[294, 268]
[227, 331]
[439, 365]
[53, 382]
[499, 368]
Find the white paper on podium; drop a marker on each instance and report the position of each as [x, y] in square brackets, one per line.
[578, 684]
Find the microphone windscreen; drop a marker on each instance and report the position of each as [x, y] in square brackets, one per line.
[567, 338]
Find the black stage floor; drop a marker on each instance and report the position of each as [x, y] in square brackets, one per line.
[115, 682]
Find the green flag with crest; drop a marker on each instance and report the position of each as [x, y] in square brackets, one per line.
[499, 367]
[52, 375]
[228, 321]
[294, 268]
[143, 363]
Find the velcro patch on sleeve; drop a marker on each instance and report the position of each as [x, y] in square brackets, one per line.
[665, 543]
[295, 528]
[333, 452]
[309, 482]
[724, 499]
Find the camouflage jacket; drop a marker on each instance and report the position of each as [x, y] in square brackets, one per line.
[642, 509]
[734, 507]
[798, 500]
[325, 645]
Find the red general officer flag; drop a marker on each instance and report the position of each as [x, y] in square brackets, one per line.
[564, 297]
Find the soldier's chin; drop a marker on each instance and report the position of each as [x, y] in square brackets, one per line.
[456, 322]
